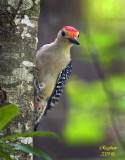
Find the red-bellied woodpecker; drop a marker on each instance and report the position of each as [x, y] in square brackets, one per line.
[53, 69]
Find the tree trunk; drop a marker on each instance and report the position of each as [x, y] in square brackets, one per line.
[18, 43]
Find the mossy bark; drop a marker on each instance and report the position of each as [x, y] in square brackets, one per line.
[18, 43]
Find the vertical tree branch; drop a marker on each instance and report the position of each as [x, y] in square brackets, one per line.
[18, 43]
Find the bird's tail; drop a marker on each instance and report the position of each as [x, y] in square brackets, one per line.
[39, 113]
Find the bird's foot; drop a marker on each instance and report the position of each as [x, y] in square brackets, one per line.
[34, 71]
[39, 87]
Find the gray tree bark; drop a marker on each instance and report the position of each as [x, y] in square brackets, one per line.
[18, 43]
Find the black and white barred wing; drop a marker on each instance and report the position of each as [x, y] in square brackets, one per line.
[60, 84]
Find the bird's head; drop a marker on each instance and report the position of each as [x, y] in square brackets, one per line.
[69, 34]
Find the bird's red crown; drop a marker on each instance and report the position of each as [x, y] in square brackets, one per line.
[72, 32]
[69, 28]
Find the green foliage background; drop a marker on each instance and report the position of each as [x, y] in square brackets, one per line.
[94, 105]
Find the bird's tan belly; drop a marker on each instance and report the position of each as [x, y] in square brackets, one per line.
[49, 82]
[48, 74]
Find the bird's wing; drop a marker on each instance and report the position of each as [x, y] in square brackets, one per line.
[60, 84]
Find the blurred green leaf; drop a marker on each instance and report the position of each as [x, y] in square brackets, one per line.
[7, 147]
[103, 39]
[105, 43]
[7, 113]
[88, 113]
[38, 133]
[108, 10]
[117, 81]
[5, 155]
[32, 150]
[116, 85]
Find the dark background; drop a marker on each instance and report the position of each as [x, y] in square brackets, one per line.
[91, 110]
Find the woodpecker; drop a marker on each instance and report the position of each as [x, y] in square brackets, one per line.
[52, 70]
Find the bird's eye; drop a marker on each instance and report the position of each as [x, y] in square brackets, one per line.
[63, 33]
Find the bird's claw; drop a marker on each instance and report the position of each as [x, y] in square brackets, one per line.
[39, 88]
[41, 85]
[34, 71]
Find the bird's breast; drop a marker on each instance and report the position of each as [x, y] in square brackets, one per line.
[50, 66]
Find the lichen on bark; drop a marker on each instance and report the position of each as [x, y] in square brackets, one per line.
[17, 53]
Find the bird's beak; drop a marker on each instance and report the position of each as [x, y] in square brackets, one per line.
[73, 40]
